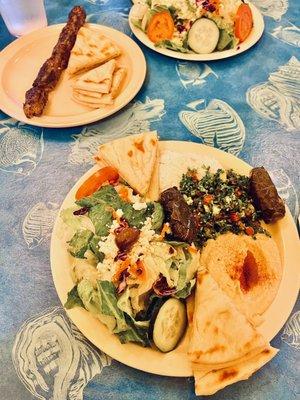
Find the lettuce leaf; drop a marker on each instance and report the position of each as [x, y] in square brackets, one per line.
[73, 299]
[134, 217]
[125, 328]
[133, 334]
[186, 291]
[89, 296]
[101, 217]
[137, 23]
[93, 245]
[79, 243]
[168, 44]
[105, 195]
[109, 306]
[157, 216]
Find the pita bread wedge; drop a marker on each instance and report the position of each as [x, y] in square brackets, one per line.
[215, 325]
[93, 102]
[154, 189]
[134, 157]
[90, 50]
[215, 380]
[117, 82]
[94, 95]
[224, 347]
[98, 79]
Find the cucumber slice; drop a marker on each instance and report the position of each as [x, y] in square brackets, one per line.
[169, 325]
[225, 40]
[203, 36]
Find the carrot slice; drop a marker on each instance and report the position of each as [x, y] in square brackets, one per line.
[123, 193]
[95, 181]
[161, 27]
[243, 22]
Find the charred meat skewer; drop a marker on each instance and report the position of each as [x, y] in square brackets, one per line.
[37, 96]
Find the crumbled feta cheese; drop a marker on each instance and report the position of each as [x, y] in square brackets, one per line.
[142, 245]
[206, 208]
[216, 210]
[119, 213]
[227, 199]
[188, 199]
[139, 206]
[108, 246]
[115, 224]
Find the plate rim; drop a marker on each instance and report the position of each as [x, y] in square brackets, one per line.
[288, 227]
[6, 104]
[258, 19]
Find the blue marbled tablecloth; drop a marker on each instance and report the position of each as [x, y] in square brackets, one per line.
[255, 101]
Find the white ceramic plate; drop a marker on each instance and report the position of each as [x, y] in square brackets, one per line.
[21, 60]
[176, 362]
[255, 35]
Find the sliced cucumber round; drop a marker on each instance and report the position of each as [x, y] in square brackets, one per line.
[169, 325]
[203, 36]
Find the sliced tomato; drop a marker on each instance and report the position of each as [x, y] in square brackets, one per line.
[160, 27]
[243, 22]
[95, 181]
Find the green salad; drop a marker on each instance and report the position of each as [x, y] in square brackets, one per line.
[123, 269]
[193, 26]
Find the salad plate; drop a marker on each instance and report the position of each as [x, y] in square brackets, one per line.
[251, 40]
[22, 59]
[175, 362]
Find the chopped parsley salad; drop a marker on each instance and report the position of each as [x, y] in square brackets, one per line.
[221, 203]
[134, 261]
[194, 26]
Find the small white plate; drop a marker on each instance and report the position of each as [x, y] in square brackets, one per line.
[255, 35]
[176, 363]
[21, 60]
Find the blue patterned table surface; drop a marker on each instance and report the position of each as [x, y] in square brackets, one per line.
[255, 98]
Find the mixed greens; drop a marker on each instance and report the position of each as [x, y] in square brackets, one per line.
[122, 268]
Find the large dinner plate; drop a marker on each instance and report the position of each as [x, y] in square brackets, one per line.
[255, 35]
[176, 362]
[22, 59]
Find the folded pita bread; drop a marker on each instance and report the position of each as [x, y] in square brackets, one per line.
[222, 340]
[154, 189]
[90, 50]
[98, 79]
[117, 81]
[92, 102]
[94, 95]
[134, 157]
[215, 380]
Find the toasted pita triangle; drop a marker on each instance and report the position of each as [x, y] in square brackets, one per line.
[87, 93]
[117, 81]
[103, 87]
[98, 79]
[92, 102]
[134, 157]
[224, 347]
[215, 380]
[221, 334]
[90, 50]
[99, 74]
